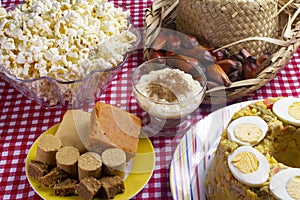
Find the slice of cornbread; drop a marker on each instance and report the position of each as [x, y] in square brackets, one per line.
[113, 127]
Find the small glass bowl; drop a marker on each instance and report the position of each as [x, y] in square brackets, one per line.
[49, 92]
[168, 118]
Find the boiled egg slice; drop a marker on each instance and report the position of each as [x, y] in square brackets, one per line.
[249, 166]
[286, 184]
[247, 130]
[288, 110]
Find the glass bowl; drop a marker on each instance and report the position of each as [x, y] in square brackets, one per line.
[168, 90]
[50, 92]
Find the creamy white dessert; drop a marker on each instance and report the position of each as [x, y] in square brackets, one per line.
[169, 93]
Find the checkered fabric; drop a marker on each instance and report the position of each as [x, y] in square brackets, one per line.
[22, 121]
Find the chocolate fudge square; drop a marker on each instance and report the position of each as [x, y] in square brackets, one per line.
[110, 186]
[56, 175]
[37, 169]
[65, 188]
[88, 188]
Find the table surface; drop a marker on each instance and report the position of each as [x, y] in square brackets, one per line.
[22, 121]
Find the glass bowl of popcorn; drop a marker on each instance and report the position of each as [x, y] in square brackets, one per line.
[65, 52]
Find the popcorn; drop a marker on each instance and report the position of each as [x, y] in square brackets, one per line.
[63, 39]
[2, 12]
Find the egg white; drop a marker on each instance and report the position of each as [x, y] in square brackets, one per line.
[281, 110]
[278, 183]
[255, 178]
[255, 120]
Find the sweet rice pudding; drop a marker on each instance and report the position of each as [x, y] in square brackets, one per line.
[169, 93]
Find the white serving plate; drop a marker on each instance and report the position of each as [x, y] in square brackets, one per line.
[195, 152]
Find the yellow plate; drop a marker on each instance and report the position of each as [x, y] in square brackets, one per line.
[141, 171]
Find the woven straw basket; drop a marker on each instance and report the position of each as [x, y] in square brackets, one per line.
[281, 34]
[228, 22]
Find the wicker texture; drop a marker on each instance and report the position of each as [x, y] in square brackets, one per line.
[220, 22]
[289, 7]
[163, 13]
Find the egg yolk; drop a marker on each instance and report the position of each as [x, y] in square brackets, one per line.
[293, 187]
[248, 133]
[294, 110]
[245, 162]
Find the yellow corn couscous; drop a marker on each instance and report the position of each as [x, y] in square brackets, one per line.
[228, 178]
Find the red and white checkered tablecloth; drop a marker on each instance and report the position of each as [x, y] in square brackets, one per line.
[22, 120]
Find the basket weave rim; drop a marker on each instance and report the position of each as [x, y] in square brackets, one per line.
[163, 12]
